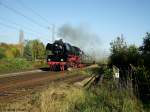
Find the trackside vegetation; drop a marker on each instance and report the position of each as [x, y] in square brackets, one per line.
[62, 97]
[103, 99]
[14, 64]
[134, 64]
[8, 65]
[16, 57]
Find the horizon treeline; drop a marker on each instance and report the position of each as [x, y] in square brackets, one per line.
[30, 50]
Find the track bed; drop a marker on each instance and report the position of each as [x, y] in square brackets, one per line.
[21, 85]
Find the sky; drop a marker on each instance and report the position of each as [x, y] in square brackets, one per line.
[107, 19]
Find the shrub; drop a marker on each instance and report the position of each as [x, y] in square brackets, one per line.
[2, 53]
[71, 99]
[108, 73]
[143, 81]
[13, 64]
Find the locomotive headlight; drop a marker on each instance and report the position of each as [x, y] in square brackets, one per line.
[61, 60]
[49, 59]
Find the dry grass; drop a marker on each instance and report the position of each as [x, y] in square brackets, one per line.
[66, 98]
[19, 106]
[62, 97]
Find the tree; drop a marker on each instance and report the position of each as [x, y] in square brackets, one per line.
[118, 45]
[143, 73]
[28, 50]
[145, 50]
[15, 51]
[9, 50]
[38, 49]
[34, 49]
[133, 55]
[118, 52]
[2, 53]
[123, 55]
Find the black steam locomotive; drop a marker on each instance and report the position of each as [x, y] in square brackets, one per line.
[62, 55]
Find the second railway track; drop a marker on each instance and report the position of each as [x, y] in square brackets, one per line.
[34, 81]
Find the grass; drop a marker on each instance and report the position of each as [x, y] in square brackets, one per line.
[106, 98]
[60, 97]
[13, 64]
[66, 98]
[8, 65]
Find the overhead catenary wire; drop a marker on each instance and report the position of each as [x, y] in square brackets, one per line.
[21, 14]
[22, 26]
[33, 11]
[52, 28]
[26, 17]
[13, 27]
[8, 26]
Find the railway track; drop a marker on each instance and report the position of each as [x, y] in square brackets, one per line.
[18, 85]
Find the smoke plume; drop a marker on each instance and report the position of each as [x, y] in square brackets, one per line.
[81, 37]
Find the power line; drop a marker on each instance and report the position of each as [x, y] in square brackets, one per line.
[16, 24]
[21, 14]
[13, 27]
[33, 11]
[44, 19]
[8, 26]
[30, 19]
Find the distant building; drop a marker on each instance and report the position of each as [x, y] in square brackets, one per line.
[21, 37]
[21, 42]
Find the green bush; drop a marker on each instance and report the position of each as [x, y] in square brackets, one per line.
[142, 78]
[13, 64]
[108, 73]
[2, 53]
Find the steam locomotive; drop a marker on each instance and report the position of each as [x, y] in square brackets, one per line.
[61, 56]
